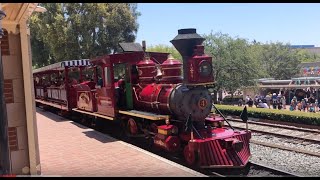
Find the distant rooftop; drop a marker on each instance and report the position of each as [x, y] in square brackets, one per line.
[302, 46]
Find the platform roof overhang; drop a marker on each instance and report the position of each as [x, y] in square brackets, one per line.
[62, 65]
[289, 86]
[19, 12]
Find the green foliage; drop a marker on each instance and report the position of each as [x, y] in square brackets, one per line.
[81, 30]
[234, 68]
[238, 63]
[165, 49]
[274, 114]
[306, 56]
[279, 61]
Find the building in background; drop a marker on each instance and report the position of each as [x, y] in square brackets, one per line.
[309, 48]
[305, 84]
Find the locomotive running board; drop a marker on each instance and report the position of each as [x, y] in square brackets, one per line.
[145, 115]
[59, 106]
[93, 114]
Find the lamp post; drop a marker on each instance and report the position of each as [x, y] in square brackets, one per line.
[4, 142]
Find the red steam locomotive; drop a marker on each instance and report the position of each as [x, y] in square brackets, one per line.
[152, 95]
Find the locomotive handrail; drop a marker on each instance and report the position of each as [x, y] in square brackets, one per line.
[222, 116]
[189, 125]
[138, 99]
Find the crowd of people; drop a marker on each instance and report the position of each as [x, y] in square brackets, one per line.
[278, 101]
[306, 104]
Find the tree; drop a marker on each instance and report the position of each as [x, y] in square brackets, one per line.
[279, 60]
[233, 67]
[81, 30]
[306, 56]
[166, 49]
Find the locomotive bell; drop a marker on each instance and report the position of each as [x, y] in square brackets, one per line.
[159, 72]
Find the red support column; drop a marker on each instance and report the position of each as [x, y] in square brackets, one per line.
[80, 74]
[95, 74]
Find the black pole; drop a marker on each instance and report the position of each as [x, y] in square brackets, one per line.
[4, 140]
[222, 116]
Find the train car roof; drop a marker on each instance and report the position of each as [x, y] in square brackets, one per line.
[132, 57]
[63, 64]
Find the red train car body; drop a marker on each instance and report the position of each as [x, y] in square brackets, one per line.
[154, 96]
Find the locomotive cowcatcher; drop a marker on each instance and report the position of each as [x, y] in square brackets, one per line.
[154, 96]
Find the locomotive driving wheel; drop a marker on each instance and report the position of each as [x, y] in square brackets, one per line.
[132, 126]
[83, 120]
[154, 128]
[189, 156]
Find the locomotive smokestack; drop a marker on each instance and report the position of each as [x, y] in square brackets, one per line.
[185, 42]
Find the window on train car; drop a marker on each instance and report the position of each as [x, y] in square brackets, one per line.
[134, 74]
[107, 75]
[88, 73]
[119, 71]
[99, 75]
[74, 73]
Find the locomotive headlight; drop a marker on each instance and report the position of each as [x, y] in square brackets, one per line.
[205, 68]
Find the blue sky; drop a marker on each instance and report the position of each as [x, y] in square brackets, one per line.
[294, 23]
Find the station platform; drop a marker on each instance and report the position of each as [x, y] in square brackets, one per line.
[70, 149]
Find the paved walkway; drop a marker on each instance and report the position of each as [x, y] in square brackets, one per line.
[70, 149]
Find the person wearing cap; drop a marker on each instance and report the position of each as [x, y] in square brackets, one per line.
[279, 103]
[294, 102]
[268, 100]
[274, 101]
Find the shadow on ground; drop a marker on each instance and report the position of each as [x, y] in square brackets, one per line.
[99, 137]
[51, 115]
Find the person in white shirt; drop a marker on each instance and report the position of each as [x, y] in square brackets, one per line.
[247, 99]
[283, 100]
[262, 105]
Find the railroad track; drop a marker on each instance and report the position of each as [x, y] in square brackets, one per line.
[312, 135]
[253, 169]
[314, 129]
[263, 169]
[282, 131]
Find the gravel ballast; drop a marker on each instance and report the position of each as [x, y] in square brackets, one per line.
[297, 163]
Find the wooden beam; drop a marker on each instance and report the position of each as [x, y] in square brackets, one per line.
[21, 12]
[33, 145]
